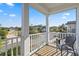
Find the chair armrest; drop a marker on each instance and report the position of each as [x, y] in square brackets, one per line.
[62, 41]
[66, 46]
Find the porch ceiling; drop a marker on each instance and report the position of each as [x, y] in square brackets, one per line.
[49, 8]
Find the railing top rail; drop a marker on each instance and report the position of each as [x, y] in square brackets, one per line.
[50, 32]
[62, 32]
[12, 38]
[37, 34]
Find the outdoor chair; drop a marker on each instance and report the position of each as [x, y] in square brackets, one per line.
[68, 44]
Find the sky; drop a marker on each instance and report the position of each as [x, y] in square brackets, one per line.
[54, 19]
[62, 17]
[10, 16]
[35, 17]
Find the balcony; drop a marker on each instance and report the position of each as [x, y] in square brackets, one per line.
[41, 44]
[38, 45]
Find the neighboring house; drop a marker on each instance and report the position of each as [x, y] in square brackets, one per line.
[71, 26]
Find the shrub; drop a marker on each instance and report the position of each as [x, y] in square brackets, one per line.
[3, 34]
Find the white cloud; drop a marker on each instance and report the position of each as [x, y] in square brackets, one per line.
[10, 4]
[12, 15]
[66, 14]
[1, 10]
[64, 17]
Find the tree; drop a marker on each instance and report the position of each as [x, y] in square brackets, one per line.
[60, 28]
[54, 29]
[3, 34]
[36, 29]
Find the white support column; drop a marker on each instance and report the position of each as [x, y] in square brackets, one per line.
[47, 29]
[77, 29]
[25, 40]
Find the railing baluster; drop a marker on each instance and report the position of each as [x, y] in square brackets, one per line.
[6, 46]
[59, 35]
[39, 43]
[36, 40]
[30, 43]
[11, 46]
[65, 35]
[17, 46]
[62, 35]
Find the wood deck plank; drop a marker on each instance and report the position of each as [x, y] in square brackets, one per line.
[48, 51]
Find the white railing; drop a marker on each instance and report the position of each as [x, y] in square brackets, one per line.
[37, 40]
[60, 35]
[12, 45]
[52, 38]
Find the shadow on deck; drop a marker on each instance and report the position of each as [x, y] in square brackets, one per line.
[48, 50]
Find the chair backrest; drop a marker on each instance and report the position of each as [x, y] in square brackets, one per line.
[70, 40]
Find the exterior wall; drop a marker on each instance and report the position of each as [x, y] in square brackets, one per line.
[71, 28]
[77, 30]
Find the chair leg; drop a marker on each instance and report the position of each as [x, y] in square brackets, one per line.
[67, 51]
[73, 51]
[61, 51]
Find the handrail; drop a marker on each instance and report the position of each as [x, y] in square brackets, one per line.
[37, 34]
[36, 40]
[10, 43]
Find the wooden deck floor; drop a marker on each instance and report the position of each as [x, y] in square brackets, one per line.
[49, 51]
